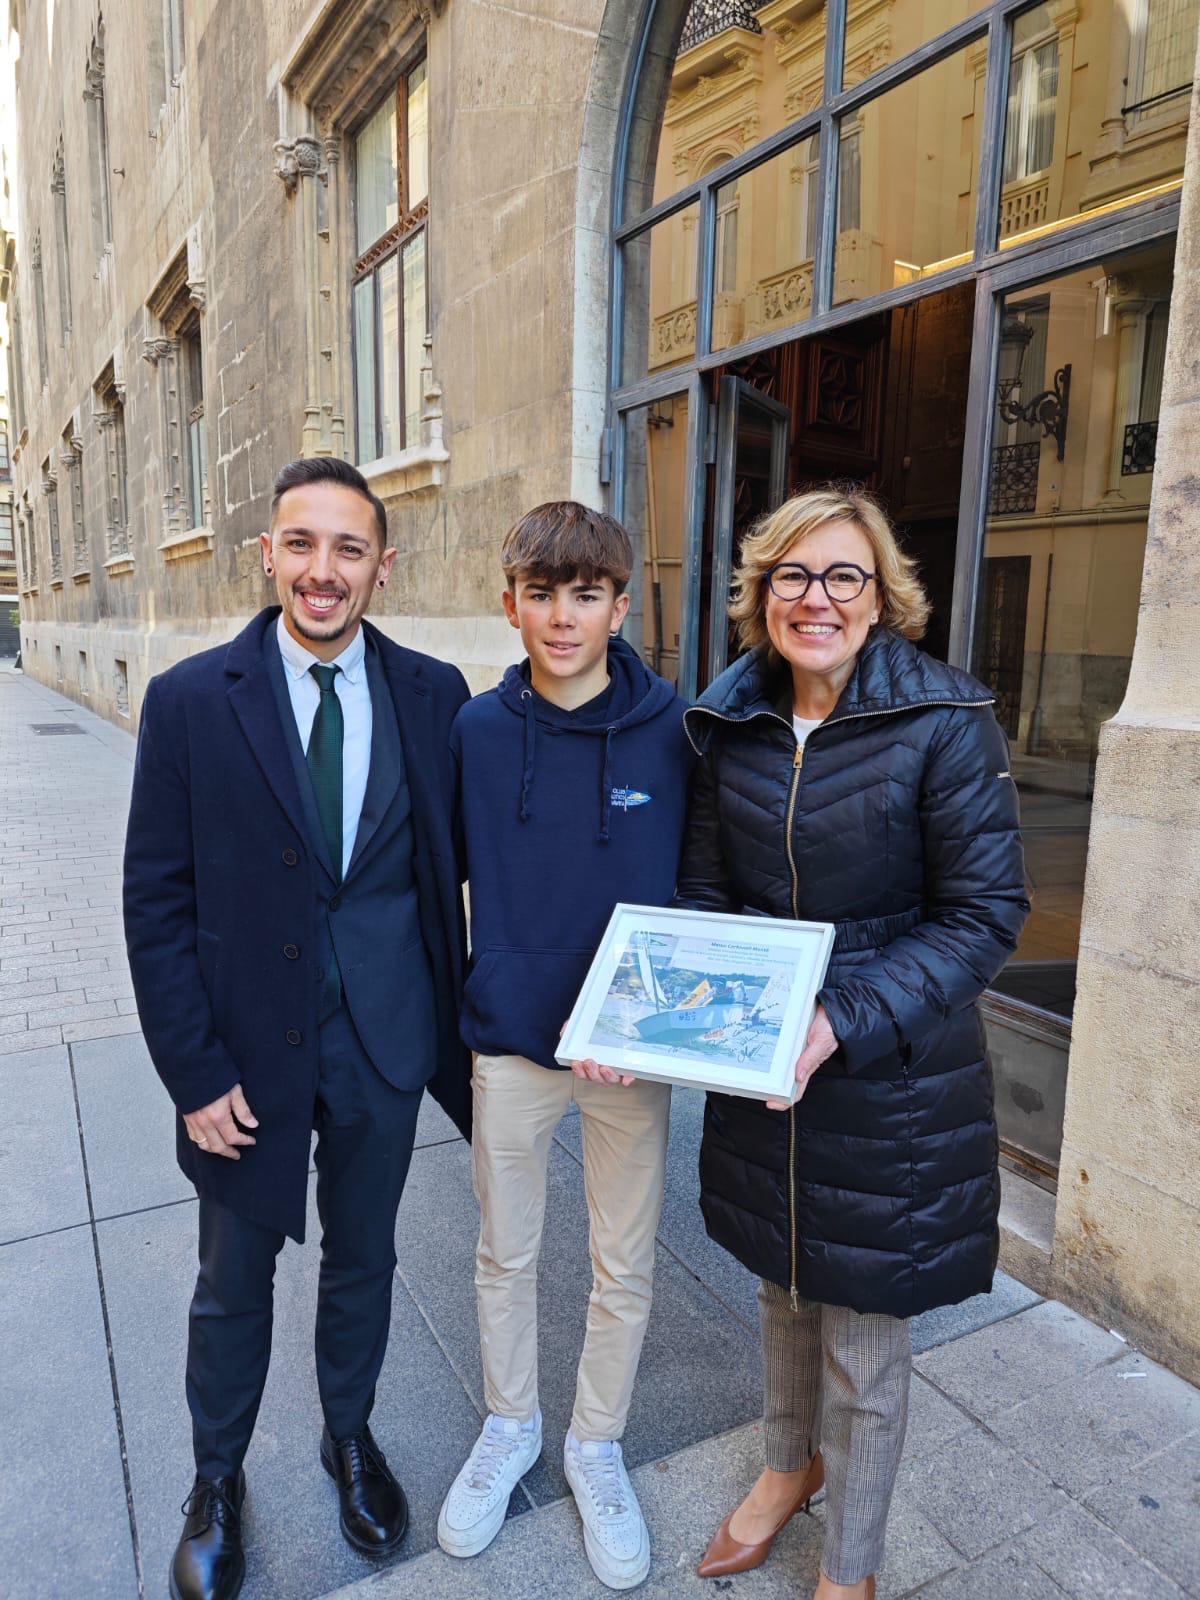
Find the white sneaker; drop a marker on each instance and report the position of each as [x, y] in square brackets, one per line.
[472, 1513]
[614, 1531]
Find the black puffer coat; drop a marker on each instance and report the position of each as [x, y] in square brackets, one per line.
[898, 822]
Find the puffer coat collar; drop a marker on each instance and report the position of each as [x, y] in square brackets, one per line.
[890, 675]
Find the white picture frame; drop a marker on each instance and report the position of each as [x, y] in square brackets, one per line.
[706, 999]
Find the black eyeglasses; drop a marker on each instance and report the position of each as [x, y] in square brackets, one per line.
[843, 581]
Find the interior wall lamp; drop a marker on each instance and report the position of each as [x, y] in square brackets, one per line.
[1051, 406]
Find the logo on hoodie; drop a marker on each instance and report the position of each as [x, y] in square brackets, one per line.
[626, 799]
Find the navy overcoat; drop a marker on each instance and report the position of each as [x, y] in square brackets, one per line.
[222, 897]
[898, 822]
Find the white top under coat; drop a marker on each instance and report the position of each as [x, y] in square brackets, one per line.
[803, 726]
[354, 693]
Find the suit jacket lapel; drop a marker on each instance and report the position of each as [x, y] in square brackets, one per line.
[254, 701]
[409, 695]
[383, 777]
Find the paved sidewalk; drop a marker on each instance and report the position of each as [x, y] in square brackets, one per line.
[1045, 1457]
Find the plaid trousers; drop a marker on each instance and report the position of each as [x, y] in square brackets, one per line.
[837, 1381]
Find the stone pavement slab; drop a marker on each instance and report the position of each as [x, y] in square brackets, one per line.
[1099, 1427]
[992, 1371]
[976, 1492]
[128, 1127]
[61, 1448]
[1156, 1509]
[424, 1421]
[1087, 1560]
[42, 1185]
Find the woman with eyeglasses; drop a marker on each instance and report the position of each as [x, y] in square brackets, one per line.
[847, 777]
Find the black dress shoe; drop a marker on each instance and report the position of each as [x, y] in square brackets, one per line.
[374, 1512]
[208, 1563]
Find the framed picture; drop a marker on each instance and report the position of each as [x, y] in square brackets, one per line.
[700, 998]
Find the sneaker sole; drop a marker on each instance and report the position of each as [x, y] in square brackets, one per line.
[610, 1575]
[472, 1541]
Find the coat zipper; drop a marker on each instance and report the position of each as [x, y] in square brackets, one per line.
[797, 765]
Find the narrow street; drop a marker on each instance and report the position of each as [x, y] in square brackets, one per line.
[1046, 1457]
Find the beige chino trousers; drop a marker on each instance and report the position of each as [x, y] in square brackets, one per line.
[517, 1106]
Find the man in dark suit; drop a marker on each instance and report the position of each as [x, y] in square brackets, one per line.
[295, 930]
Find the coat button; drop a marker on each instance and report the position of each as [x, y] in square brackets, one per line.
[290, 857]
[292, 952]
[293, 1036]
[335, 903]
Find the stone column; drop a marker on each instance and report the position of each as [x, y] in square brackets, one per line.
[1127, 1231]
[1130, 309]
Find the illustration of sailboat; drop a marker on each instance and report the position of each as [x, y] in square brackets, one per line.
[701, 1011]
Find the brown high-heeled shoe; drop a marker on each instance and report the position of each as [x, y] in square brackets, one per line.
[726, 1555]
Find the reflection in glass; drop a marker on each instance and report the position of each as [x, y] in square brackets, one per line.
[877, 34]
[389, 356]
[414, 335]
[766, 236]
[660, 295]
[375, 191]
[908, 168]
[1092, 120]
[652, 510]
[1061, 573]
[740, 74]
[418, 135]
[364, 368]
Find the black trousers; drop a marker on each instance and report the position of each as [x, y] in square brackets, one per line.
[365, 1130]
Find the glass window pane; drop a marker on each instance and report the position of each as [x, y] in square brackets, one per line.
[740, 73]
[364, 368]
[389, 356]
[652, 511]
[876, 35]
[418, 135]
[1061, 574]
[766, 235]
[1091, 122]
[908, 167]
[414, 335]
[376, 201]
[660, 295]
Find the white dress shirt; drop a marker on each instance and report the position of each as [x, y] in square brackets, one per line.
[354, 692]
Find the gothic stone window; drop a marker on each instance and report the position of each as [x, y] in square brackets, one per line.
[39, 306]
[70, 457]
[7, 548]
[50, 490]
[97, 120]
[58, 187]
[390, 308]
[177, 351]
[110, 419]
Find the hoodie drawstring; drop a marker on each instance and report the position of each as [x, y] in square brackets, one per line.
[530, 749]
[605, 787]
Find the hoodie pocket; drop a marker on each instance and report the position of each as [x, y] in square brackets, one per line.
[515, 1001]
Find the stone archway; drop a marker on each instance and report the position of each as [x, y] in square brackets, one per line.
[622, 115]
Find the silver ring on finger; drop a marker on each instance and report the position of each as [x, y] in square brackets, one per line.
[203, 1143]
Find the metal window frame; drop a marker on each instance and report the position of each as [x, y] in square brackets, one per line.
[993, 270]
[391, 243]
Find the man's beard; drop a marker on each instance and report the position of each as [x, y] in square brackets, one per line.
[306, 629]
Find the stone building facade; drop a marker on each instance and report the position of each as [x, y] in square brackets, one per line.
[677, 258]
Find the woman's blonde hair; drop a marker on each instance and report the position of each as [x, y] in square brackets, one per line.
[902, 601]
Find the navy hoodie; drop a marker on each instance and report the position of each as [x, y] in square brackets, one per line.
[565, 814]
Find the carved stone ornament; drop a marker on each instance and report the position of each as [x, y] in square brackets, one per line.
[297, 158]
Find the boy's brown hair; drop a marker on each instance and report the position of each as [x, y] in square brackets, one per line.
[564, 542]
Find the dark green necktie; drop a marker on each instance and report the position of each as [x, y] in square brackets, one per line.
[325, 769]
[325, 763]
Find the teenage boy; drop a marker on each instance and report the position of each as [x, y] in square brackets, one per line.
[573, 775]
